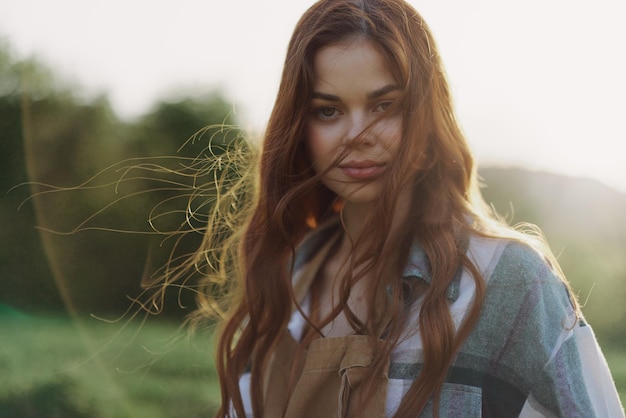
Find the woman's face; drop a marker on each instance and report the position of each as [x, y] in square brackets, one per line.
[353, 87]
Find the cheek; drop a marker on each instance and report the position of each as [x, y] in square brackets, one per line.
[319, 144]
[314, 147]
[390, 134]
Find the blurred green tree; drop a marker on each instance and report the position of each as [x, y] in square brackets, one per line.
[26, 280]
[90, 175]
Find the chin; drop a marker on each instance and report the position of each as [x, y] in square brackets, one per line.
[356, 193]
[361, 197]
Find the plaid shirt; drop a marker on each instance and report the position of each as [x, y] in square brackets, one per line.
[527, 356]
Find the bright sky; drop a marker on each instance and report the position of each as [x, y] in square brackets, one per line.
[538, 83]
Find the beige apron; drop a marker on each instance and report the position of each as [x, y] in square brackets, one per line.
[324, 380]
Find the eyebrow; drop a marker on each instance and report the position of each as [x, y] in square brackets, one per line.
[372, 95]
[382, 91]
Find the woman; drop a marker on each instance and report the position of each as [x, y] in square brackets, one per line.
[371, 279]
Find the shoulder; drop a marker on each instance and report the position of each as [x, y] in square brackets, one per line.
[514, 264]
[526, 304]
[524, 289]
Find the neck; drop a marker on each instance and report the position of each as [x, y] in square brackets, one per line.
[356, 217]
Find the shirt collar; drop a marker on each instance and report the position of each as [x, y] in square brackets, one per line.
[418, 268]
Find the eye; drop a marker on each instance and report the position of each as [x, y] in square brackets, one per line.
[326, 113]
[383, 106]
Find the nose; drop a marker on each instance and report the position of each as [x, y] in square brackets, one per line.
[357, 129]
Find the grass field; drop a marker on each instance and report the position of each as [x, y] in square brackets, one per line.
[63, 368]
[92, 369]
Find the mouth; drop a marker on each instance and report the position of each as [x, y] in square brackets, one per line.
[362, 170]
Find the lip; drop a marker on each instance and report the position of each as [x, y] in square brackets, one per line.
[362, 170]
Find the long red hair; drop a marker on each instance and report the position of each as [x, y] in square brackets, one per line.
[288, 198]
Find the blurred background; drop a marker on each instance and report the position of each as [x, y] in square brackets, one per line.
[107, 89]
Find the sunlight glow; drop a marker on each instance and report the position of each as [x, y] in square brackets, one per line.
[537, 84]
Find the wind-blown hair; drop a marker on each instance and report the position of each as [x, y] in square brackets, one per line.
[289, 199]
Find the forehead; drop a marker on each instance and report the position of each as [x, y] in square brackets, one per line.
[354, 63]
